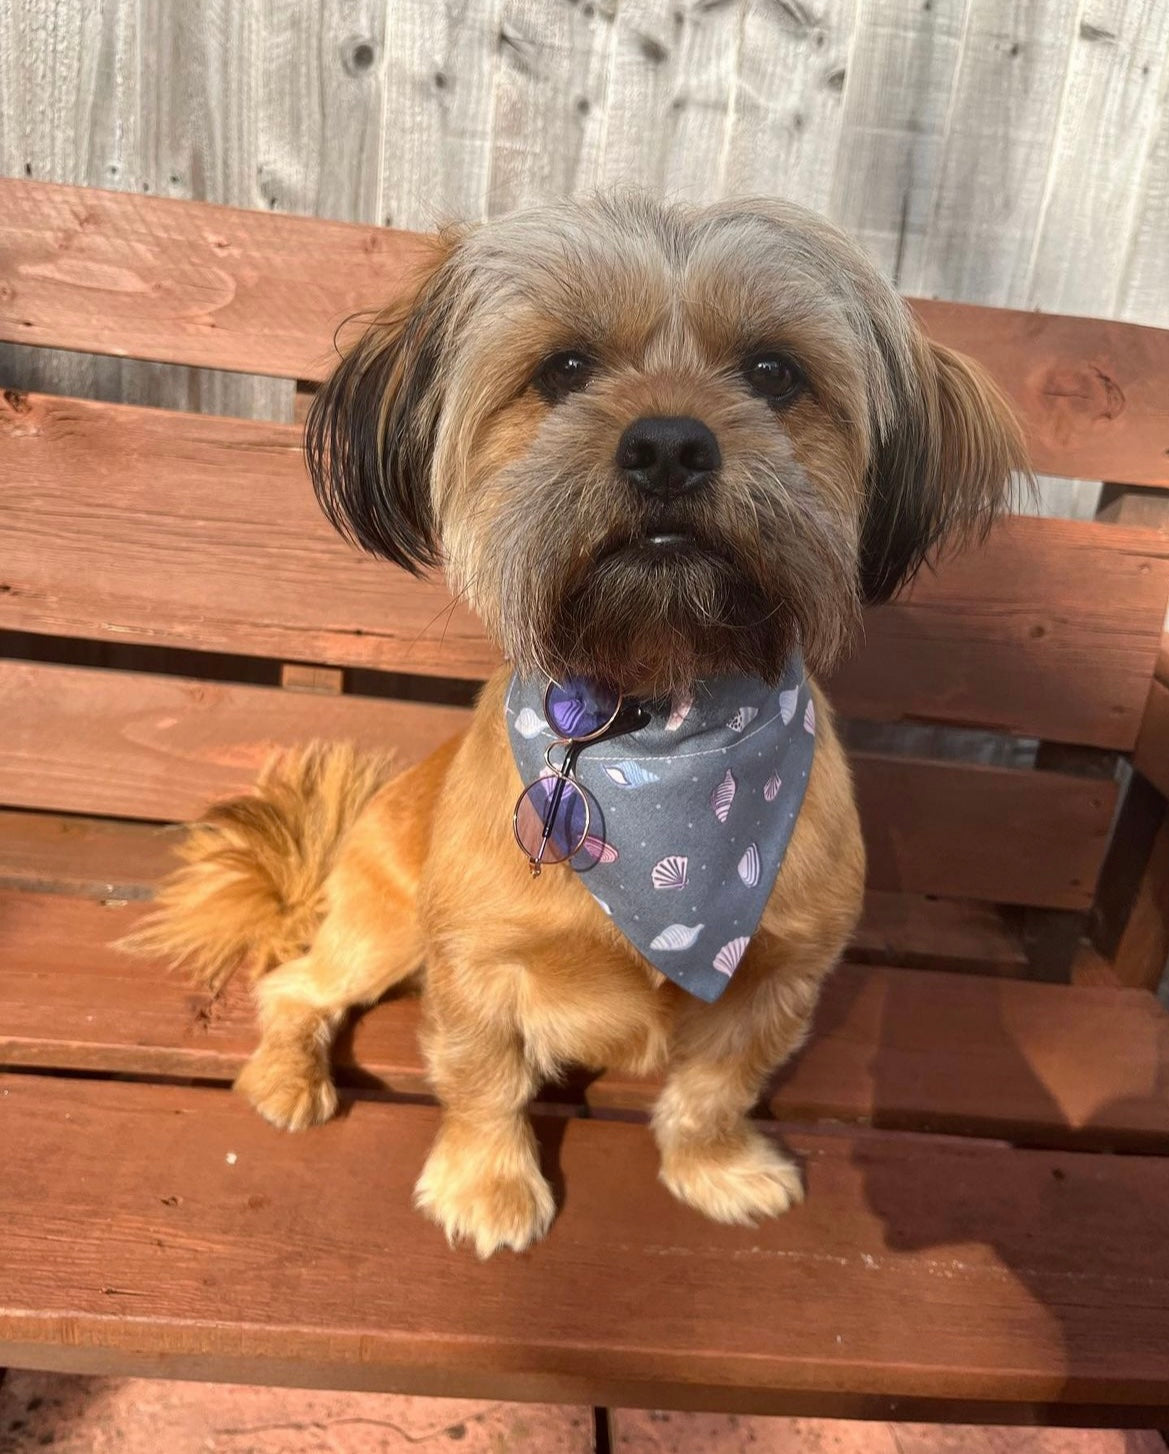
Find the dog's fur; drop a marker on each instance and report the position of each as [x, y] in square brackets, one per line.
[436, 442]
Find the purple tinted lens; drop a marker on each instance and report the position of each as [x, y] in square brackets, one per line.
[579, 708]
[551, 819]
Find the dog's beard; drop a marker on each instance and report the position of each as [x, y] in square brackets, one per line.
[752, 574]
[653, 620]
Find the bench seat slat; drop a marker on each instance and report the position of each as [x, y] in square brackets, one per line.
[162, 1228]
[136, 745]
[185, 530]
[1048, 1064]
[191, 283]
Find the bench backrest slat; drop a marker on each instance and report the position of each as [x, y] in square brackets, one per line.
[220, 287]
[185, 530]
[187, 282]
[137, 745]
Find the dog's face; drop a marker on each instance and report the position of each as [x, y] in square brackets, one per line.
[654, 443]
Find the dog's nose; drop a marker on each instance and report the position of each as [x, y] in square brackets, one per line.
[667, 457]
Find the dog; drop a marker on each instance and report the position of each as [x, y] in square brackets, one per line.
[653, 446]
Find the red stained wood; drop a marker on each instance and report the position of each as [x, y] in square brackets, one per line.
[1050, 630]
[1093, 394]
[1151, 755]
[1142, 952]
[182, 530]
[185, 530]
[106, 859]
[187, 282]
[913, 930]
[898, 1048]
[972, 832]
[129, 744]
[89, 857]
[191, 283]
[154, 1227]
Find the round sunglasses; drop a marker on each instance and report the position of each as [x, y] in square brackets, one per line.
[556, 818]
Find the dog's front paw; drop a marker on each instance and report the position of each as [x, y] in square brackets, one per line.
[739, 1181]
[476, 1202]
[292, 1091]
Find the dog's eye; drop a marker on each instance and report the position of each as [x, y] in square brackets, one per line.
[775, 376]
[563, 374]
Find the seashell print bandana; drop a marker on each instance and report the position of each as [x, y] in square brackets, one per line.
[698, 809]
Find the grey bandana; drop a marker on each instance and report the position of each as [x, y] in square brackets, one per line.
[698, 809]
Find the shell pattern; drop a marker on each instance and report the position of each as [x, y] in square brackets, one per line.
[749, 866]
[733, 864]
[743, 718]
[598, 850]
[670, 873]
[631, 774]
[528, 724]
[723, 796]
[679, 710]
[676, 936]
[726, 961]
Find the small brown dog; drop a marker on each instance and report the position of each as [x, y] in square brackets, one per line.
[816, 449]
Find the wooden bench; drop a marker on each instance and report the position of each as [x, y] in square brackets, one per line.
[987, 1230]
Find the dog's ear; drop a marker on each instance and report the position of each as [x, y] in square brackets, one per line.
[942, 470]
[370, 433]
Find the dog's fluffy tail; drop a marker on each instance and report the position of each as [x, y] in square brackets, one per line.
[251, 893]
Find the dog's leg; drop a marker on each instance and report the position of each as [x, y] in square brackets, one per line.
[713, 1158]
[287, 1078]
[482, 1181]
[368, 942]
[366, 945]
